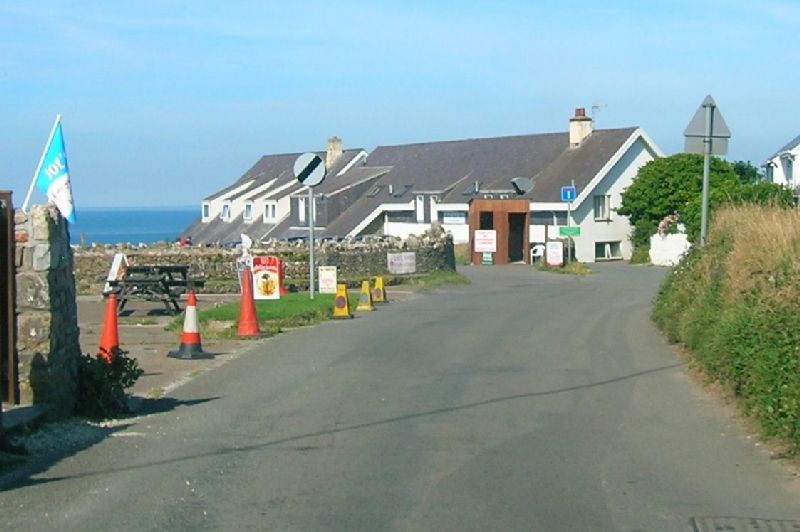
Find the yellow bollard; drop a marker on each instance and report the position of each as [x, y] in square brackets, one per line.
[341, 305]
[365, 299]
[379, 293]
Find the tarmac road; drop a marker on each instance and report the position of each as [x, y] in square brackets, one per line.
[526, 401]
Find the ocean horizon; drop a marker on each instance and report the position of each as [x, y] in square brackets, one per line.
[131, 225]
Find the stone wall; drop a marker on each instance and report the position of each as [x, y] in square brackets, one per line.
[356, 259]
[47, 320]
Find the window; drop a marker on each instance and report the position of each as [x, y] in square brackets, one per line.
[548, 218]
[607, 251]
[206, 211]
[301, 209]
[248, 211]
[770, 172]
[602, 207]
[270, 212]
[452, 217]
[226, 212]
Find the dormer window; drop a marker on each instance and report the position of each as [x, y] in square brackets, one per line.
[270, 212]
[225, 215]
[206, 212]
[248, 211]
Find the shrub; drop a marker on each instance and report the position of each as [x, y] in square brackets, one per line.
[734, 304]
[101, 386]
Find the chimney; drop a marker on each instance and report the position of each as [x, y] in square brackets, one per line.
[580, 127]
[334, 151]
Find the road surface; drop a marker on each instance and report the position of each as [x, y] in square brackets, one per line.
[525, 401]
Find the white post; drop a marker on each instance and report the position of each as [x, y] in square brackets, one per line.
[311, 262]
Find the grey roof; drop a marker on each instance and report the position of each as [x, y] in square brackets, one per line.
[278, 167]
[447, 168]
[790, 146]
[452, 167]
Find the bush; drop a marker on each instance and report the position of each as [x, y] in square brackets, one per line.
[734, 304]
[101, 386]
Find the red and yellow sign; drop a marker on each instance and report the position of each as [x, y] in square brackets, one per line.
[266, 278]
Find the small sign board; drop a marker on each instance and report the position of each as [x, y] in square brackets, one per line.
[485, 241]
[405, 262]
[568, 194]
[554, 253]
[266, 278]
[695, 132]
[327, 279]
[487, 258]
[569, 231]
[117, 270]
[309, 169]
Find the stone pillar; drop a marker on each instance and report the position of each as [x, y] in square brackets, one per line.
[47, 320]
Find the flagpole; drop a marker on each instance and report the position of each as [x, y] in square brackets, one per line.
[39, 166]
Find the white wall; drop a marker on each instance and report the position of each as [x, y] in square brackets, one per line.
[618, 228]
[784, 169]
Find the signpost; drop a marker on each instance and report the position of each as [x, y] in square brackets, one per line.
[707, 133]
[309, 169]
[569, 194]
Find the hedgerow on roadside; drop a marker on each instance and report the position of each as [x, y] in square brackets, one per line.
[735, 305]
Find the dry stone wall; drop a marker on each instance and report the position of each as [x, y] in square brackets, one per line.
[355, 259]
[47, 320]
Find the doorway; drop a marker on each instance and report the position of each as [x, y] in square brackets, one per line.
[516, 237]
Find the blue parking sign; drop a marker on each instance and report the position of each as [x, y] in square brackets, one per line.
[568, 194]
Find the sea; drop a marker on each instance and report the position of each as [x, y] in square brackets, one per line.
[130, 225]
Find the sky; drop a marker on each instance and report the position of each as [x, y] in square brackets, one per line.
[164, 103]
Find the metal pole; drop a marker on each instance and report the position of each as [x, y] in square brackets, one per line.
[706, 171]
[569, 224]
[311, 242]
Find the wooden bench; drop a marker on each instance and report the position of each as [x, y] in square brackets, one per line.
[154, 283]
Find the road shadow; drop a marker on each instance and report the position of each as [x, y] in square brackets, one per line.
[74, 435]
[148, 406]
[367, 425]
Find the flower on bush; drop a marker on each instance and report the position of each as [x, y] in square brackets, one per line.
[669, 221]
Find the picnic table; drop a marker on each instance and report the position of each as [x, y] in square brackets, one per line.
[154, 283]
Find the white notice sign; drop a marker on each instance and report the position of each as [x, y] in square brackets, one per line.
[555, 253]
[327, 279]
[485, 241]
[405, 262]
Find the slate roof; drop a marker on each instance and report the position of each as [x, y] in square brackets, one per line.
[790, 146]
[452, 167]
[279, 168]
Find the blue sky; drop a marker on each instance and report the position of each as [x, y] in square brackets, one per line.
[164, 103]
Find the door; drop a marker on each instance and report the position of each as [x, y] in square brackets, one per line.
[516, 237]
[8, 320]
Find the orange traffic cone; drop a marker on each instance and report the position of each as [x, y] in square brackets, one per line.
[109, 339]
[248, 319]
[190, 339]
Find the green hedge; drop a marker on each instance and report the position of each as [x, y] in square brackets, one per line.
[735, 306]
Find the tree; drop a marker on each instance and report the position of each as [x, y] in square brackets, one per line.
[748, 174]
[674, 184]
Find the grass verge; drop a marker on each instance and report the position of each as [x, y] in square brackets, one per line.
[297, 309]
[573, 268]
